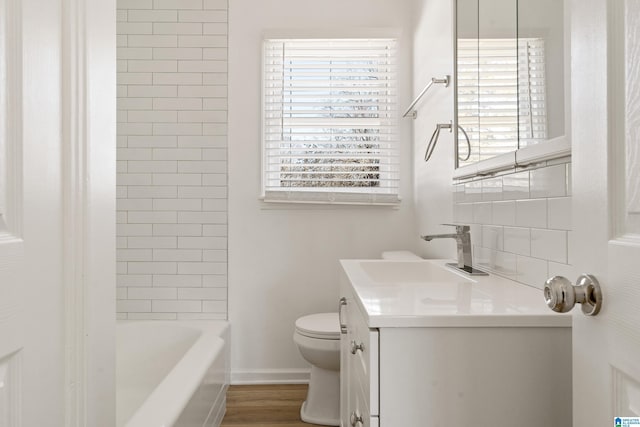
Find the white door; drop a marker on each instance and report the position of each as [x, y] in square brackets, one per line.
[31, 305]
[57, 213]
[606, 207]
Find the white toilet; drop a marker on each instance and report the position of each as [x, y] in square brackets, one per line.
[318, 339]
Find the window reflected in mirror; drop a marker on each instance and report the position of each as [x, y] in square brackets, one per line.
[510, 76]
[501, 96]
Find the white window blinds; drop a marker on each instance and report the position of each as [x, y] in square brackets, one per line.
[330, 119]
[501, 83]
[532, 92]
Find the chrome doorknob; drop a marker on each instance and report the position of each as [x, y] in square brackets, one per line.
[561, 295]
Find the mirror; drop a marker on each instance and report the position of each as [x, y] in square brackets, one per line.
[510, 76]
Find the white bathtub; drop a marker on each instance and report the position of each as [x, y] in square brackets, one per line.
[171, 373]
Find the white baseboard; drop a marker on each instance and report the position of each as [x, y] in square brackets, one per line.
[270, 376]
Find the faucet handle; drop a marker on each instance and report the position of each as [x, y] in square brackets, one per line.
[460, 229]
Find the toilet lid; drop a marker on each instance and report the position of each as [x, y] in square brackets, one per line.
[322, 325]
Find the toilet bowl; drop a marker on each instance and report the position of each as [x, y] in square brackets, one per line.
[318, 339]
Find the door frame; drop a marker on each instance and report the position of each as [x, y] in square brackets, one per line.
[89, 189]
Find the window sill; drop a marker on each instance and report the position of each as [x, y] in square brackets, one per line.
[296, 199]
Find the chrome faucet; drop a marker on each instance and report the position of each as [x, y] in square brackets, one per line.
[463, 241]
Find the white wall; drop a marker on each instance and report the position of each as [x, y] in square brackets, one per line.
[433, 57]
[283, 260]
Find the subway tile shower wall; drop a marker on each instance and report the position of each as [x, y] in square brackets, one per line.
[520, 222]
[172, 159]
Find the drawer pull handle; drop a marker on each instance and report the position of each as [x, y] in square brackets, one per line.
[343, 326]
[356, 419]
[355, 347]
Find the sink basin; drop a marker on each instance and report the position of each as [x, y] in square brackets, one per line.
[410, 272]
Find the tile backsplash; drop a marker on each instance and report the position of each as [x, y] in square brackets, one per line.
[520, 221]
[172, 159]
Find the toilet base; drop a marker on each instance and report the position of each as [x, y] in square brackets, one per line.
[323, 398]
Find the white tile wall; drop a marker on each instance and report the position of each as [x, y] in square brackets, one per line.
[517, 240]
[172, 159]
[520, 222]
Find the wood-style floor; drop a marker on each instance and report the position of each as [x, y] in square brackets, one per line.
[265, 405]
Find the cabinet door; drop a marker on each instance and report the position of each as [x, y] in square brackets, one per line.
[347, 363]
[363, 358]
[345, 305]
[359, 354]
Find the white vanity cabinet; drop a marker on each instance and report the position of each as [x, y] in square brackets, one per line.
[472, 369]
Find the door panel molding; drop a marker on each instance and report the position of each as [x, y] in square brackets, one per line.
[11, 390]
[11, 120]
[632, 118]
[11, 244]
[626, 394]
[624, 128]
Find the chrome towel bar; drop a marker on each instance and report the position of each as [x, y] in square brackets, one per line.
[445, 81]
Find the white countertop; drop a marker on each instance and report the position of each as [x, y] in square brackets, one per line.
[426, 293]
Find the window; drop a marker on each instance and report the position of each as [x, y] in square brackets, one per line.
[501, 94]
[330, 121]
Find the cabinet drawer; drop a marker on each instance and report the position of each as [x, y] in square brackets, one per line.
[364, 354]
